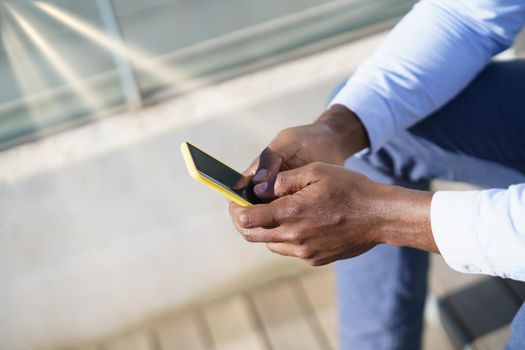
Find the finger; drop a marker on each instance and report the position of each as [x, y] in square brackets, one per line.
[284, 249]
[270, 162]
[267, 235]
[231, 209]
[288, 249]
[262, 235]
[292, 181]
[264, 190]
[260, 215]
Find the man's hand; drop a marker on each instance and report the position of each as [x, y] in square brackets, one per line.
[326, 213]
[336, 135]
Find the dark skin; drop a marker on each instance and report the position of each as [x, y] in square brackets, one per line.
[321, 212]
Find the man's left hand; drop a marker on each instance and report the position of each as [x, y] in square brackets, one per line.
[325, 213]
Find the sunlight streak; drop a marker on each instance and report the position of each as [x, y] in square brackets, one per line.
[159, 70]
[57, 62]
[28, 76]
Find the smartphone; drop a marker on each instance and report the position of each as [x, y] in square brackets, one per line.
[220, 177]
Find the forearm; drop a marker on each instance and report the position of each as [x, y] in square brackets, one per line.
[405, 218]
[475, 231]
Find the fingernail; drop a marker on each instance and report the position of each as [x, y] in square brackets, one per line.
[260, 188]
[261, 175]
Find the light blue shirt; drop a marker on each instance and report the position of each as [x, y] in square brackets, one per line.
[427, 59]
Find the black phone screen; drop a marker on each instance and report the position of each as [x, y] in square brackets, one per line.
[223, 175]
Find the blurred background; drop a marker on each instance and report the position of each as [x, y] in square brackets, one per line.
[105, 241]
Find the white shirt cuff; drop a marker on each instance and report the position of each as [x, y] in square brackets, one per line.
[453, 221]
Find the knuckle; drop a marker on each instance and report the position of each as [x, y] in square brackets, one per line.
[305, 253]
[293, 210]
[295, 237]
[315, 168]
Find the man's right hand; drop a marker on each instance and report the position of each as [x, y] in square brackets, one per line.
[336, 135]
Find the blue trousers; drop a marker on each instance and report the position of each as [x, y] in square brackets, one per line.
[479, 138]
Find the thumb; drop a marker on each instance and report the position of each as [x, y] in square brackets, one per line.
[269, 165]
[251, 170]
[292, 181]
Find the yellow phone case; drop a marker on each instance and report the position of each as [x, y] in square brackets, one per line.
[192, 169]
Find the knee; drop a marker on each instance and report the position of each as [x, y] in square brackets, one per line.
[373, 170]
[394, 165]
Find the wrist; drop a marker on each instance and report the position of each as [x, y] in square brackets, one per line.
[346, 128]
[406, 220]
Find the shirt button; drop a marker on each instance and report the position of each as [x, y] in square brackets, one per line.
[472, 268]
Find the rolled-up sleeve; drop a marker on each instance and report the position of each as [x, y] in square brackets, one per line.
[428, 58]
[482, 231]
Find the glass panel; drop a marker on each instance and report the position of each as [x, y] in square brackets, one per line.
[51, 73]
[63, 61]
[193, 42]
